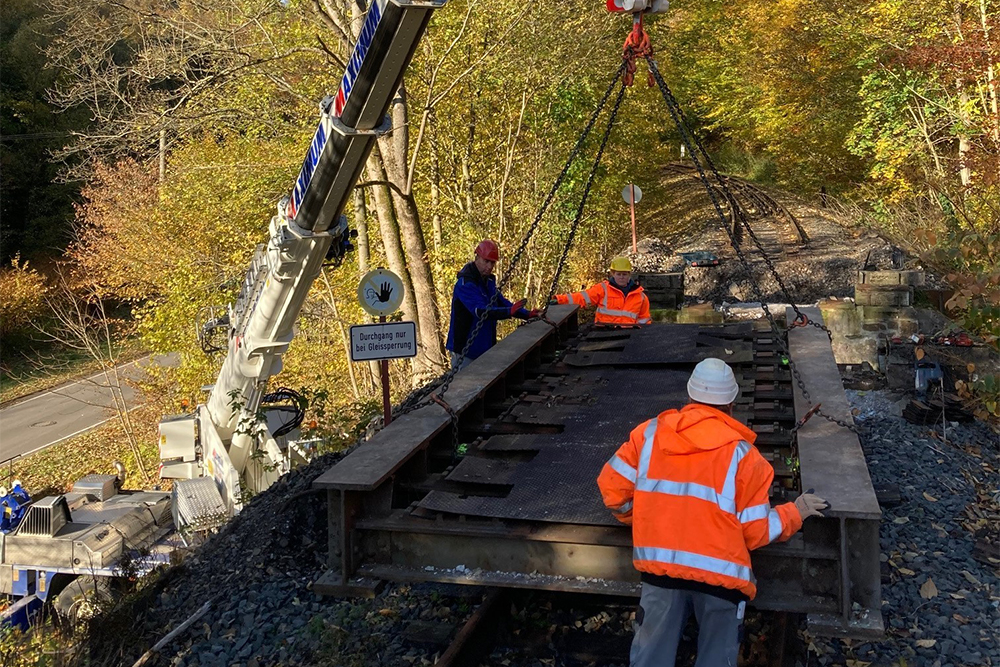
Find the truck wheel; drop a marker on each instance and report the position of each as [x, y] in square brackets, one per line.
[82, 599]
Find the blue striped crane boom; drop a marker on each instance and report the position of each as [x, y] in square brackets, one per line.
[222, 439]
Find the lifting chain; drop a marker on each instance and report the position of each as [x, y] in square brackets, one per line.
[690, 141]
[434, 392]
[586, 195]
[801, 319]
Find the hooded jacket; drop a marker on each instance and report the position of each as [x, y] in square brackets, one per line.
[695, 491]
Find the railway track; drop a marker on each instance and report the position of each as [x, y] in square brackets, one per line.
[780, 233]
[520, 627]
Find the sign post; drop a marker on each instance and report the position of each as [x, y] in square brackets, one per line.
[380, 293]
[632, 194]
[384, 375]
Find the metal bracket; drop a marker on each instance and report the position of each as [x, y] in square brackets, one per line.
[296, 232]
[430, 4]
[350, 132]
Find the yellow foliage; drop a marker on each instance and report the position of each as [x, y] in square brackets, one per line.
[22, 297]
[120, 246]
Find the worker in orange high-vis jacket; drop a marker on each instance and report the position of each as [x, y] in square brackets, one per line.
[695, 491]
[619, 300]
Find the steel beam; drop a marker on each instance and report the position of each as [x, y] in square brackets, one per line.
[833, 466]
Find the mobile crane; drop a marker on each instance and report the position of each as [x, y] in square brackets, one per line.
[223, 438]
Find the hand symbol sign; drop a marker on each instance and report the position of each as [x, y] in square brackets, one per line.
[385, 294]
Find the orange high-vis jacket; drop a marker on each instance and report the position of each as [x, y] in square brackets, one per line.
[613, 306]
[695, 490]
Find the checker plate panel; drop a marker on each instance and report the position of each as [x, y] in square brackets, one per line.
[559, 483]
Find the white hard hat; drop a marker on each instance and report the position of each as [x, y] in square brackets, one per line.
[713, 382]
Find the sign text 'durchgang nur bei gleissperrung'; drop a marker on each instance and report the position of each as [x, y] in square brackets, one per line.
[393, 340]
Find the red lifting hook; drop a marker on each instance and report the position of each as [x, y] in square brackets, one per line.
[636, 46]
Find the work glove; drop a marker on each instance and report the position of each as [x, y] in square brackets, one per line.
[553, 302]
[534, 312]
[516, 306]
[809, 504]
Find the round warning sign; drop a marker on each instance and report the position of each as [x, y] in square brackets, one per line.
[380, 292]
[630, 192]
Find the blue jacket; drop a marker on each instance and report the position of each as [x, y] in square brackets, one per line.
[470, 298]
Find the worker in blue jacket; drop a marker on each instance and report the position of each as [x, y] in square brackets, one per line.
[471, 298]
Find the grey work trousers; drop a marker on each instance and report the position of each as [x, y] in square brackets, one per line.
[660, 620]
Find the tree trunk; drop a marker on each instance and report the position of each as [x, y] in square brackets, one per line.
[345, 339]
[512, 137]
[920, 120]
[364, 265]
[389, 229]
[423, 279]
[467, 164]
[408, 219]
[163, 155]
[430, 357]
[964, 145]
[991, 82]
[436, 196]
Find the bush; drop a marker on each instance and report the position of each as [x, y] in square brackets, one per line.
[22, 300]
[983, 394]
[971, 259]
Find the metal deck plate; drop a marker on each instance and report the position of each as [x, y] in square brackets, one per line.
[477, 470]
[559, 483]
[526, 442]
[667, 344]
[684, 344]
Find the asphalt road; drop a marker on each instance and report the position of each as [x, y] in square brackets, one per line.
[43, 419]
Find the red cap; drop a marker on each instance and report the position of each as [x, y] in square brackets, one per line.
[488, 250]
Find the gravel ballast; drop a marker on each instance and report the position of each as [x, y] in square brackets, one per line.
[941, 603]
[258, 572]
[825, 266]
[258, 575]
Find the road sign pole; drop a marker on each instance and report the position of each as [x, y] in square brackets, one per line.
[635, 247]
[386, 404]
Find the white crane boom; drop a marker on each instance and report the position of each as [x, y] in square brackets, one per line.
[223, 438]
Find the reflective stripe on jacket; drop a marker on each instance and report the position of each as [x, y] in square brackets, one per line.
[695, 490]
[613, 305]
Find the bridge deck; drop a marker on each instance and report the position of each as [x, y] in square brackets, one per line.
[541, 413]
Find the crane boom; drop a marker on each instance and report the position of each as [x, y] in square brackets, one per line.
[223, 438]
